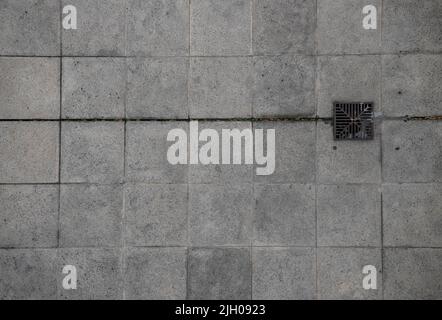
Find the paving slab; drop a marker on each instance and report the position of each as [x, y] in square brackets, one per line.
[412, 85]
[284, 273]
[412, 151]
[413, 274]
[220, 87]
[155, 274]
[30, 27]
[158, 27]
[29, 152]
[348, 78]
[347, 161]
[282, 26]
[412, 215]
[92, 152]
[29, 216]
[100, 29]
[284, 86]
[220, 214]
[93, 88]
[91, 215]
[340, 27]
[156, 214]
[284, 214]
[146, 153]
[219, 274]
[98, 273]
[349, 215]
[294, 151]
[222, 173]
[411, 26]
[220, 27]
[28, 274]
[29, 88]
[157, 88]
[340, 273]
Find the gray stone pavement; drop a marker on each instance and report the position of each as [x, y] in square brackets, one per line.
[84, 178]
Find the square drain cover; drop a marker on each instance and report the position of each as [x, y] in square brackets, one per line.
[353, 120]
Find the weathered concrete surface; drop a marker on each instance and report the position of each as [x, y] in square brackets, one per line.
[348, 79]
[349, 215]
[219, 273]
[412, 151]
[29, 88]
[157, 28]
[220, 87]
[284, 86]
[90, 215]
[101, 195]
[282, 26]
[412, 26]
[340, 29]
[340, 273]
[100, 29]
[412, 215]
[295, 152]
[93, 88]
[347, 161]
[284, 273]
[30, 27]
[412, 85]
[29, 152]
[157, 88]
[220, 214]
[291, 221]
[156, 214]
[221, 173]
[413, 273]
[28, 274]
[155, 273]
[220, 27]
[98, 271]
[92, 152]
[28, 216]
[146, 153]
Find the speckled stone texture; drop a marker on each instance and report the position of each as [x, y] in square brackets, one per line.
[84, 175]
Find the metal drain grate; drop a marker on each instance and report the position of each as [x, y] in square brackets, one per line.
[353, 120]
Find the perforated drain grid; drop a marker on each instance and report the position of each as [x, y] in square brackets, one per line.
[353, 121]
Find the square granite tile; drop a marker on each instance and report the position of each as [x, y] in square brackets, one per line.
[93, 88]
[29, 88]
[412, 215]
[220, 27]
[220, 214]
[413, 274]
[100, 29]
[156, 214]
[90, 215]
[28, 215]
[30, 27]
[155, 274]
[340, 275]
[92, 152]
[157, 27]
[349, 215]
[282, 26]
[284, 86]
[29, 152]
[219, 274]
[284, 273]
[157, 88]
[284, 214]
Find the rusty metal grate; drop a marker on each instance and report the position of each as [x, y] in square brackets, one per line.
[353, 120]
